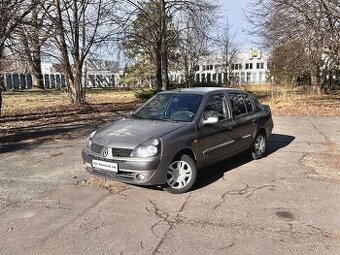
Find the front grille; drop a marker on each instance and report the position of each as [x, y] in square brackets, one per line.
[121, 152]
[127, 176]
[97, 148]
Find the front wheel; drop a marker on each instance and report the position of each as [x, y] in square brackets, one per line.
[181, 175]
[259, 146]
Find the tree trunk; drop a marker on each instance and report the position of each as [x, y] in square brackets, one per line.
[186, 72]
[2, 79]
[165, 75]
[2, 86]
[76, 89]
[315, 80]
[32, 50]
[163, 46]
[158, 60]
[37, 77]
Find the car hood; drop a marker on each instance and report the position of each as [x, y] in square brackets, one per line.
[128, 133]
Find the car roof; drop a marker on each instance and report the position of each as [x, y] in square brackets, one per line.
[203, 90]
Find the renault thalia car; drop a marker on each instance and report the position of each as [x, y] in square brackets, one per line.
[177, 132]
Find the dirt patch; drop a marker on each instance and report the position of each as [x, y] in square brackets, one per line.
[323, 166]
[112, 186]
[285, 215]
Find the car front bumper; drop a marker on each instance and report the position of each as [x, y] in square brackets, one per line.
[139, 171]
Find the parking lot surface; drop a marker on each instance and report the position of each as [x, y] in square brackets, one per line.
[285, 203]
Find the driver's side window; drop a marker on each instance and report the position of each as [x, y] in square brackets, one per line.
[216, 107]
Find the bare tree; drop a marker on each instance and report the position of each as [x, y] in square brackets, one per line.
[230, 54]
[30, 37]
[12, 14]
[195, 39]
[313, 23]
[81, 26]
[158, 29]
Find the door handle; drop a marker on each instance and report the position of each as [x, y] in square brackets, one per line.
[253, 121]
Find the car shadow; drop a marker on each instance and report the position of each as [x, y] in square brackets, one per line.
[212, 173]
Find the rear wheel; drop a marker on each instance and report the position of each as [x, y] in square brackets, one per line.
[259, 146]
[181, 175]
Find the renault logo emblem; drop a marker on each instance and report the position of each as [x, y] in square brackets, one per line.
[105, 152]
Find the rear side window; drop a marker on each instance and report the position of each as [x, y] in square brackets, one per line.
[248, 103]
[217, 107]
[241, 104]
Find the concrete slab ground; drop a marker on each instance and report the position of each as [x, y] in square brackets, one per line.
[285, 203]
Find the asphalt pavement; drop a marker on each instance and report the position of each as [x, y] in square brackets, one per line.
[285, 203]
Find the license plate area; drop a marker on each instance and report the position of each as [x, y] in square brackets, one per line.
[103, 165]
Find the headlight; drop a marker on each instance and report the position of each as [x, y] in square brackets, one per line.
[147, 149]
[89, 140]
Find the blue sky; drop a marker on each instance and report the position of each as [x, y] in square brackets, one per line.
[235, 11]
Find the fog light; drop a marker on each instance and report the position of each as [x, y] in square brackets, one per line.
[140, 177]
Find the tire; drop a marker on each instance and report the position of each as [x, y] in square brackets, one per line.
[181, 175]
[259, 146]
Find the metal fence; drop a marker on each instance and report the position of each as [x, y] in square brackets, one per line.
[19, 81]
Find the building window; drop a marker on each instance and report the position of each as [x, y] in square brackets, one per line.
[235, 66]
[259, 65]
[219, 78]
[208, 77]
[249, 65]
[197, 77]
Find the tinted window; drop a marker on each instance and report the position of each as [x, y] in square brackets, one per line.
[248, 104]
[237, 103]
[216, 107]
[241, 103]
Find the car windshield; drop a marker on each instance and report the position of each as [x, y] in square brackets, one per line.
[170, 106]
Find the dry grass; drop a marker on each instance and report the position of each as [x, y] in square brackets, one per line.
[28, 102]
[292, 102]
[283, 101]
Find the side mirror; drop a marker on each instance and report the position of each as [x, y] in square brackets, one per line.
[210, 121]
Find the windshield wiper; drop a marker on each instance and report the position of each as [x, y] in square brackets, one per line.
[137, 116]
[160, 118]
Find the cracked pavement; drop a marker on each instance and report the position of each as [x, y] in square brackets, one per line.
[285, 203]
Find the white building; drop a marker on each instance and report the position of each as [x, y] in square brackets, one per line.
[99, 73]
[248, 67]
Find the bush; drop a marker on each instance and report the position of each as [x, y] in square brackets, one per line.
[206, 84]
[145, 94]
[176, 85]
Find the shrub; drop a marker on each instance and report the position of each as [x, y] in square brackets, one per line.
[145, 94]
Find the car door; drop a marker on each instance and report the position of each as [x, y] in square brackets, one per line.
[215, 140]
[245, 120]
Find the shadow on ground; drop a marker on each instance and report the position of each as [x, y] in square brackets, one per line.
[210, 174]
[33, 138]
[27, 134]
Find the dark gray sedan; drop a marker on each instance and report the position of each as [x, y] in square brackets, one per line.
[177, 132]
